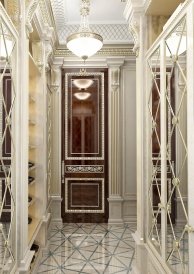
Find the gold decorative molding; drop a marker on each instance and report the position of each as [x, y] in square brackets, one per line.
[120, 51]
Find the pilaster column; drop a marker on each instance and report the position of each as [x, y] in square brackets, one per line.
[134, 13]
[115, 199]
[56, 143]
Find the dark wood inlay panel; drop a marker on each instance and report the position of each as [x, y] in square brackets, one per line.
[84, 195]
[85, 148]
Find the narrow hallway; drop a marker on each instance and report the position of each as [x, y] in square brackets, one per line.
[89, 248]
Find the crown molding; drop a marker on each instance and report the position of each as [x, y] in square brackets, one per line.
[126, 51]
[134, 8]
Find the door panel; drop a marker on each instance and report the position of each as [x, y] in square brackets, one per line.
[85, 146]
[5, 152]
[156, 186]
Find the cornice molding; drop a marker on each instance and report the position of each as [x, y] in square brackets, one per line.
[108, 51]
[30, 11]
[134, 7]
[133, 11]
[47, 18]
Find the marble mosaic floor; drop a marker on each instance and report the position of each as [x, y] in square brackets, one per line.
[89, 249]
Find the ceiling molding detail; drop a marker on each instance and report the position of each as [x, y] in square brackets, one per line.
[45, 12]
[59, 12]
[111, 33]
[105, 51]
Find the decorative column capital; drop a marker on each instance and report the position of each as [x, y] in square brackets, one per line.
[133, 11]
[114, 65]
[134, 29]
[30, 10]
[115, 62]
[48, 53]
[55, 78]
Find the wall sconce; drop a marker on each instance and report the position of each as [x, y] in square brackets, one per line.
[82, 85]
[82, 95]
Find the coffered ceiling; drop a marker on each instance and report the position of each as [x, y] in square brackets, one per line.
[106, 18]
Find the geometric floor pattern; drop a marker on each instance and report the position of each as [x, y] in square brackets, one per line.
[89, 249]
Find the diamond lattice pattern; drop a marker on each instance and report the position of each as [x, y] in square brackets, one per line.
[176, 148]
[7, 148]
[155, 145]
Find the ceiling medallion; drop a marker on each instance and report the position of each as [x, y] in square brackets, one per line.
[84, 43]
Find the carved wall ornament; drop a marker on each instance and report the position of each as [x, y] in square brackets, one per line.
[115, 79]
[48, 52]
[55, 78]
[30, 10]
[84, 169]
[134, 31]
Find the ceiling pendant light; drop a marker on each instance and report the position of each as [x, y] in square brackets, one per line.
[82, 95]
[83, 83]
[84, 43]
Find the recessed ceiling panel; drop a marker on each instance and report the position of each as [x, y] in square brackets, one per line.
[106, 18]
[101, 11]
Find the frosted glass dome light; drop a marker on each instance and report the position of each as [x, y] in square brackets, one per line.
[84, 43]
[83, 83]
[82, 95]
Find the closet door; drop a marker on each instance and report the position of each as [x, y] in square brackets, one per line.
[5, 152]
[85, 146]
[156, 143]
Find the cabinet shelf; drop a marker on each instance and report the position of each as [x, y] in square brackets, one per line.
[33, 230]
[31, 202]
[31, 168]
[31, 183]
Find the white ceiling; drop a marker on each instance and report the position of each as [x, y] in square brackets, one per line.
[106, 18]
[101, 11]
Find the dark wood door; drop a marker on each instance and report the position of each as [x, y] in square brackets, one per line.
[85, 145]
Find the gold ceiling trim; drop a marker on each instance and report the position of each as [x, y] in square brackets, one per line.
[120, 51]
